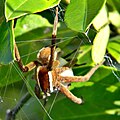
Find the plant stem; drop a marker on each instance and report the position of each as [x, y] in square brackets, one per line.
[11, 114]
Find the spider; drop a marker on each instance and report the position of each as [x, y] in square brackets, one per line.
[49, 76]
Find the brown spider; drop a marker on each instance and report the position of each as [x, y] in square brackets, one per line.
[49, 76]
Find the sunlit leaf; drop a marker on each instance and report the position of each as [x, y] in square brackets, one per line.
[114, 48]
[102, 37]
[15, 9]
[114, 17]
[80, 13]
[100, 44]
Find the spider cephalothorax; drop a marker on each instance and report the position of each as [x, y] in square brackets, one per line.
[44, 55]
[49, 76]
[47, 80]
[43, 76]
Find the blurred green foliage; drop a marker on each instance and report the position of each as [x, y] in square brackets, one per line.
[90, 32]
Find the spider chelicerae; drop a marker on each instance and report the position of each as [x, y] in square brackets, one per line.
[49, 76]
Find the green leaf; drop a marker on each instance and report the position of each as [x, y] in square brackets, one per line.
[115, 4]
[114, 47]
[1, 11]
[29, 23]
[6, 38]
[36, 27]
[80, 13]
[100, 44]
[15, 9]
[114, 18]
[102, 37]
[85, 55]
[8, 75]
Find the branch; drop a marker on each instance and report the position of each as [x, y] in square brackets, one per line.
[11, 114]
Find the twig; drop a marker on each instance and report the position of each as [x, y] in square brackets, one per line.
[11, 114]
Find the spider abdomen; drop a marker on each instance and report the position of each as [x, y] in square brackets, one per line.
[42, 78]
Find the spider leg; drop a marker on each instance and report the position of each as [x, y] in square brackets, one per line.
[39, 95]
[37, 91]
[68, 79]
[68, 94]
[53, 46]
[59, 70]
[27, 67]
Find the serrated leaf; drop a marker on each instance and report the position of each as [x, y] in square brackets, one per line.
[80, 13]
[114, 47]
[102, 37]
[15, 9]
